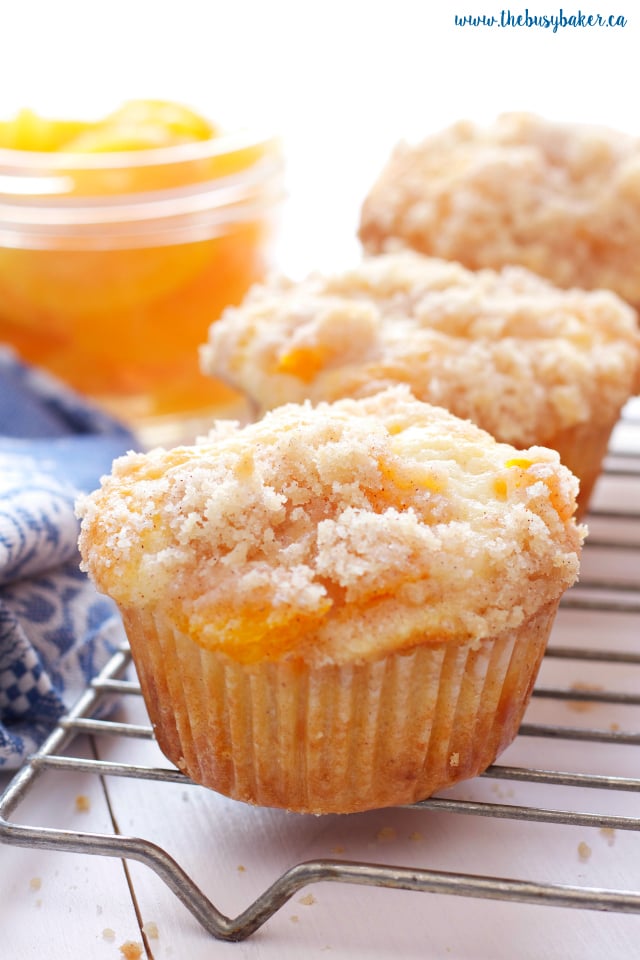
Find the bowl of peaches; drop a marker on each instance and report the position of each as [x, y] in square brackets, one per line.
[122, 239]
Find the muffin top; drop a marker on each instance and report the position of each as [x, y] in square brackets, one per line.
[561, 199]
[518, 356]
[336, 533]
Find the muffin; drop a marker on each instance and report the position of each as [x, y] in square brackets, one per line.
[560, 199]
[339, 607]
[528, 362]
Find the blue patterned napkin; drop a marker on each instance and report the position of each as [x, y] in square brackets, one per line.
[56, 631]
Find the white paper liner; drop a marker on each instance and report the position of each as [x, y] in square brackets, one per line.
[336, 739]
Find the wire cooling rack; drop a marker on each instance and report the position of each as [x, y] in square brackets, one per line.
[617, 593]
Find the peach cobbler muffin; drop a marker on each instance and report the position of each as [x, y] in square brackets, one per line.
[526, 361]
[561, 199]
[338, 607]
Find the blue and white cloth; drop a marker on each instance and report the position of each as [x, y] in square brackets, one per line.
[56, 630]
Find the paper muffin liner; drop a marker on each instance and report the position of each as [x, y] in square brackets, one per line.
[336, 738]
[582, 449]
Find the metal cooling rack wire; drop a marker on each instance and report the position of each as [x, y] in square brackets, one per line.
[595, 594]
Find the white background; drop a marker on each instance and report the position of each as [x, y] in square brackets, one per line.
[341, 81]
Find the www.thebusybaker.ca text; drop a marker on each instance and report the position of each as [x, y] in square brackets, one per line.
[553, 22]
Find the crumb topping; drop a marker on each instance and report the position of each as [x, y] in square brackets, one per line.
[518, 356]
[561, 199]
[336, 532]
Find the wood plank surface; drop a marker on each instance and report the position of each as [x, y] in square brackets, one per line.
[58, 905]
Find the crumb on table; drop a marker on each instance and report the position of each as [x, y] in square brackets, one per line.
[131, 950]
[582, 706]
[584, 851]
[386, 833]
[609, 834]
[83, 804]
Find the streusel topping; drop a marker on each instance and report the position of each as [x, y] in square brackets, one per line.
[561, 199]
[336, 532]
[508, 350]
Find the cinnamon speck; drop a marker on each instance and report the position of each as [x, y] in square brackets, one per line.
[415, 837]
[241, 868]
[150, 929]
[83, 804]
[338, 849]
[308, 900]
[295, 918]
[35, 883]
